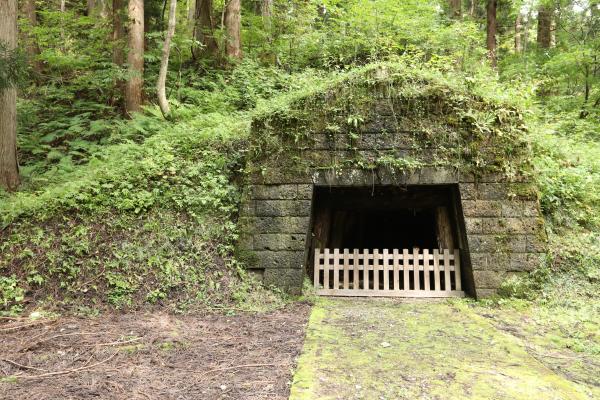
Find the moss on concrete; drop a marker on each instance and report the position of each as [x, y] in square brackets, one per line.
[386, 349]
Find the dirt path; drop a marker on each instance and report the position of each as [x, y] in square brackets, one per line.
[152, 356]
[419, 350]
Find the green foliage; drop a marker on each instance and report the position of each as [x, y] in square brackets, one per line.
[12, 65]
[568, 177]
[11, 294]
[339, 34]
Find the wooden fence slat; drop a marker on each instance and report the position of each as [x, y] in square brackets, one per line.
[405, 269]
[396, 262]
[336, 268]
[376, 269]
[457, 276]
[355, 277]
[346, 269]
[447, 270]
[366, 257]
[386, 274]
[436, 269]
[426, 269]
[386, 262]
[416, 280]
[326, 269]
[317, 267]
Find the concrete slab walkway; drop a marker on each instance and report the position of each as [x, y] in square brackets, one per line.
[386, 349]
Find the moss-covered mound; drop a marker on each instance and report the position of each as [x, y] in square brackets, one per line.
[435, 120]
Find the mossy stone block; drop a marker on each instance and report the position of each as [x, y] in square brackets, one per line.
[287, 280]
[279, 241]
[283, 208]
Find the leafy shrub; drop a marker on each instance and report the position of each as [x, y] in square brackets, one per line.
[11, 294]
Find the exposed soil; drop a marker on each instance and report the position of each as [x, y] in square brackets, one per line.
[152, 356]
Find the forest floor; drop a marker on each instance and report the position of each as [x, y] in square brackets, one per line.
[385, 349]
[152, 356]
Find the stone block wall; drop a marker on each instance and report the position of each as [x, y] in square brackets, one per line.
[275, 221]
[503, 232]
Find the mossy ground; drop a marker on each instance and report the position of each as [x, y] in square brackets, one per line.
[385, 349]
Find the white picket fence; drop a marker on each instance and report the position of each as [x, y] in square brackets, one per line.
[385, 273]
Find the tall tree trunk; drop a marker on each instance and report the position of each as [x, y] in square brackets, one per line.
[518, 33]
[9, 167]
[135, 57]
[204, 29]
[118, 34]
[91, 7]
[33, 50]
[97, 7]
[191, 13]
[63, 5]
[455, 8]
[544, 28]
[164, 62]
[266, 11]
[472, 8]
[118, 51]
[491, 32]
[233, 22]
[104, 9]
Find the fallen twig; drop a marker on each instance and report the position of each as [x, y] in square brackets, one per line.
[14, 318]
[56, 336]
[237, 367]
[117, 343]
[67, 371]
[16, 328]
[21, 366]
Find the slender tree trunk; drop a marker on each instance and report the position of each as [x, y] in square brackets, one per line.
[544, 28]
[9, 167]
[233, 22]
[526, 31]
[135, 57]
[63, 8]
[204, 29]
[587, 86]
[33, 50]
[491, 32]
[455, 8]
[164, 62]
[472, 8]
[519, 33]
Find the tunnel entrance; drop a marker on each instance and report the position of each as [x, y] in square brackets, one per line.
[386, 241]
